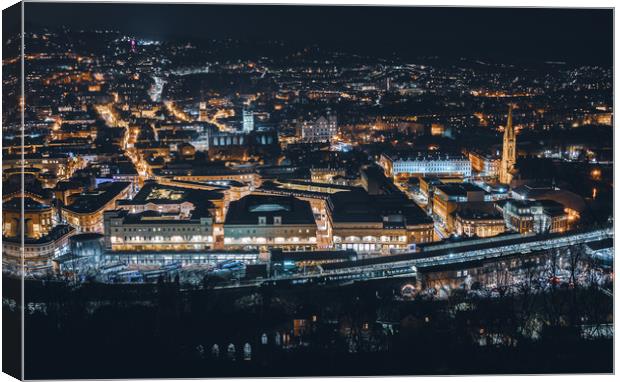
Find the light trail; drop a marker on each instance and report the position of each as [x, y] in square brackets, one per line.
[178, 113]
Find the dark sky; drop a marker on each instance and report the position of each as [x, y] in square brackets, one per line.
[501, 34]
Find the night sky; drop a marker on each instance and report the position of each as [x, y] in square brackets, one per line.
[499, 34]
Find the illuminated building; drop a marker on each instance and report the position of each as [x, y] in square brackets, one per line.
[170, 199]
[207, 173]
[62, 165]
[422, 163]
[574, 205]
[478, 219]
[187, 151]
[64, 189]
[509, 151]
[36, 220]
[156, 231]
[85, 252]
[321, 129]
[86, 209]
[202, 116]
[402, 124]
[326, 174]
[484, 165]
[428, 183]
[377, 223]
[446, 198]
[540, 216]
[37, 253]
[316, 194]
[248, 121]
[267, 221]
[437, 129]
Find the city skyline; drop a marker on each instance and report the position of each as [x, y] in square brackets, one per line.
[574, 35]
[271, 191]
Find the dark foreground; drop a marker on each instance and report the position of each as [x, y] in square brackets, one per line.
[361, 329]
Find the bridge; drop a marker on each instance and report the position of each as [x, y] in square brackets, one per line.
[406, 264]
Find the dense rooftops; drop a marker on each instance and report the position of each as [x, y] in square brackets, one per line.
[157, 193]
[89, 202]
[207, 170]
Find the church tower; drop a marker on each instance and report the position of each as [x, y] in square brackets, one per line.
[202, 117]
[509, 153]
[202, 109]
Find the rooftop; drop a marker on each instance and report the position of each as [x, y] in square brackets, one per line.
[359, 206]
[89, 202]
[30, 204]
[458, 189]
[478, 210]
[247, 210]
[425, 155]
[155, 217]
[157, 193]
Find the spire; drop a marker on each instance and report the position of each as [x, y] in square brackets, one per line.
[510, 131]
[509, 154]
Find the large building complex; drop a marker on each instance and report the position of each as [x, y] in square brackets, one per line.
[319, 129]
[157, 231]
[266, 221]
[85, 211]
[486, 165]
[424, 163]
[377, 224]
[481, 219]
[446, 197]
[35, 217]
[541, 216]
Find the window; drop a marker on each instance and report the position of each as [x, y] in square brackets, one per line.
[262, 220]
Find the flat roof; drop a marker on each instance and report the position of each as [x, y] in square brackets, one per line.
[359, 206]
[30, 204]
[246, 210]
[419, 155]
[458, 189]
